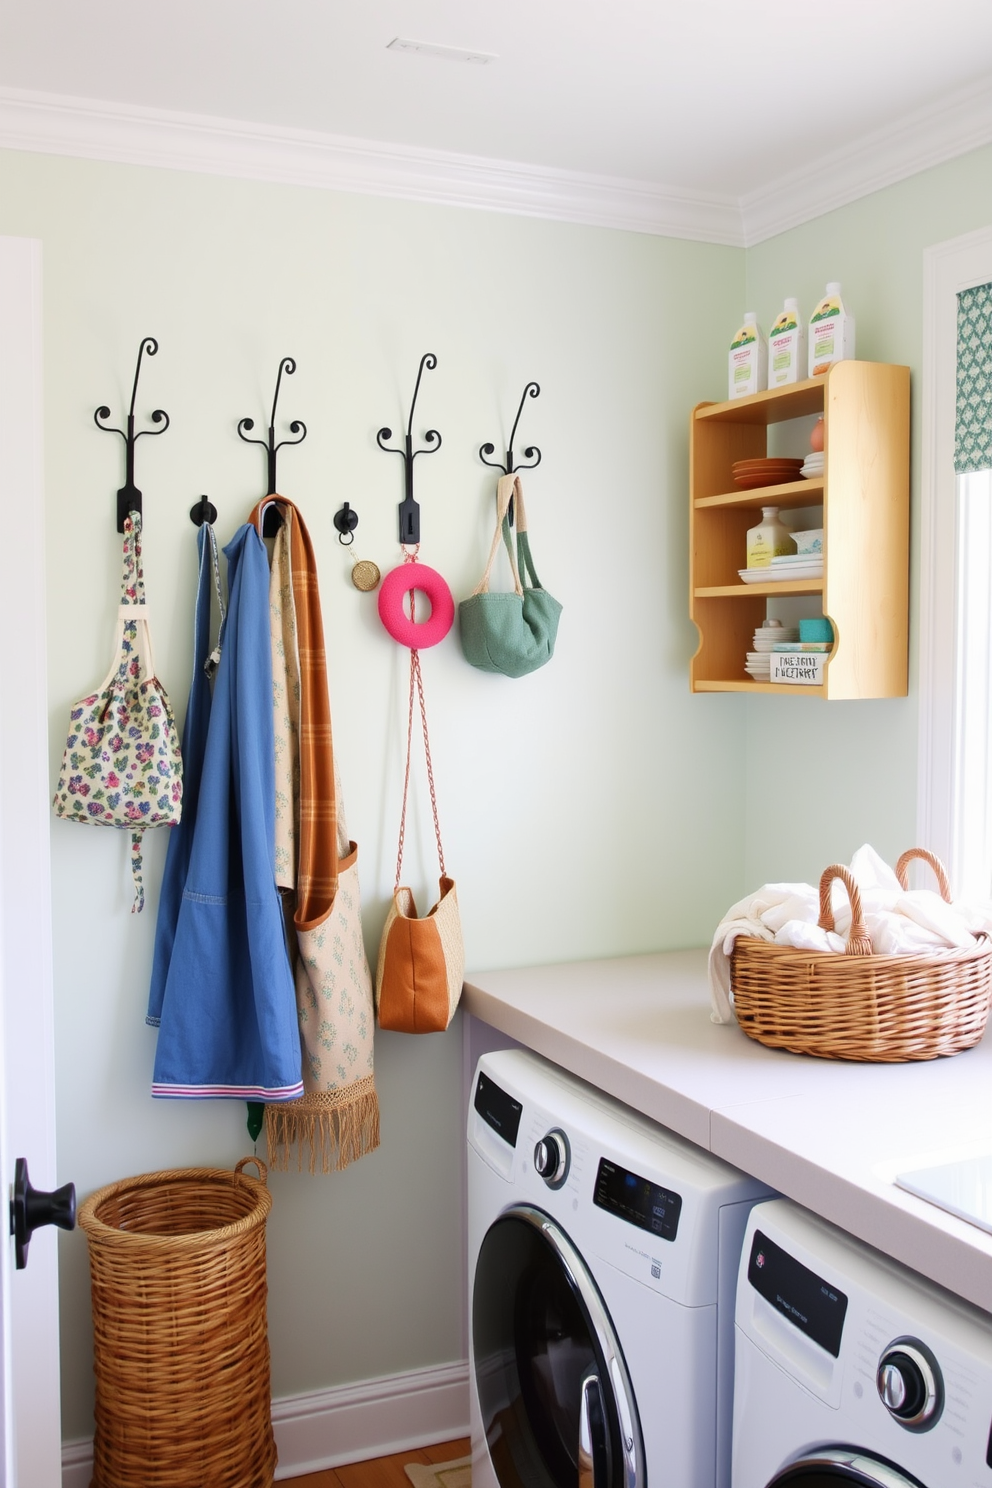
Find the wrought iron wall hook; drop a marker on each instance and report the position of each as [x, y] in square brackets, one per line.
[203, 511]
[129, 497]
[272, 518]
[531, 453]
[410, 509]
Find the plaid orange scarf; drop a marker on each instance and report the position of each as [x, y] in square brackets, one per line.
[338, 1116]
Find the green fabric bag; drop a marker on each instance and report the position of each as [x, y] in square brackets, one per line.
[512, 633]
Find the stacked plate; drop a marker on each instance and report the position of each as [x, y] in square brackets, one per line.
[758, 662]
[750, 474]
[813, 466]
[766, 636]
[797, 566]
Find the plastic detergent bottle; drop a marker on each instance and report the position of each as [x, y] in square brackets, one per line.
[768, 540]
[831, 332]
[748, 359]
[787, 347]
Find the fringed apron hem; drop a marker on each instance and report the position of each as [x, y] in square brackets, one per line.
[335, 1127]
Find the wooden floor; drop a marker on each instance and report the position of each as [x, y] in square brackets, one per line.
[383, 1472]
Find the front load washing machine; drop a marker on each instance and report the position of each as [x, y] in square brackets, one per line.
[603, 1255]
[851, 1368]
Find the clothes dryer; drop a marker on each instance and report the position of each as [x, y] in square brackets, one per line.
[603, 1253]
[851, 1369]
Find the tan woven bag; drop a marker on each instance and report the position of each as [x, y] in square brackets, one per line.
[421, 964]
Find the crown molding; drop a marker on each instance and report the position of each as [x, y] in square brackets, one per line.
[85, 128]
[920, 140]
[55, 124]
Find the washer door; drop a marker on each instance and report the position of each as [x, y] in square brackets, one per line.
[836, 1465]
[557, 1406]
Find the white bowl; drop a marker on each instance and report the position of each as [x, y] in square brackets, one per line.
[810, 541]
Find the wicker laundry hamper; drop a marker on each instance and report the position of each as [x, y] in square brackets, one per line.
[181, 1348]
[884, 1009]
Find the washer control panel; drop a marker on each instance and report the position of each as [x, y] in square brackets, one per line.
[910, 1385]
[637, 1200]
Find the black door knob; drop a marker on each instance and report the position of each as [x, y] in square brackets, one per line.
[30, 1208]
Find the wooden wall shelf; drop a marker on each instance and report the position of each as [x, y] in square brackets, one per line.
[865, 497]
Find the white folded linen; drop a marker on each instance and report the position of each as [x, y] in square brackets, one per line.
[900, 921]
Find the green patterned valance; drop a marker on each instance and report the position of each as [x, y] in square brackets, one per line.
[973, 427]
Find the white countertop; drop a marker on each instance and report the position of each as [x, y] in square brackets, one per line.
[830, 1135]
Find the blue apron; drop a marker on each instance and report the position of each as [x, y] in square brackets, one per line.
[222, 983]
[194, 744]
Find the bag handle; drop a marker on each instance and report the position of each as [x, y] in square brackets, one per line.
[507, 486]
[207, 536]
[525, 561]
[416, 679]
[858, 940]
[934, 862]
[132, 609]
[263, 1172]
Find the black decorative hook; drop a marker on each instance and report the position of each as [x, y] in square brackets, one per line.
[203, 511]
[531, 453]
[298, 427]
[410, 509]
[129, 497]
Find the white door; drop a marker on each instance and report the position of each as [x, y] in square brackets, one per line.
[29, 1361]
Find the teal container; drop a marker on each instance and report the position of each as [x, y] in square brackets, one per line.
[816, 629]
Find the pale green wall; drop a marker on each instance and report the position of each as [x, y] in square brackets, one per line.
[855, 761]
[592, 809]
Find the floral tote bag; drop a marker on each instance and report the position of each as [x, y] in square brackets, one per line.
[122, 766]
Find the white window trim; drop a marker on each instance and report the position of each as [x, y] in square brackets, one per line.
[948, 268]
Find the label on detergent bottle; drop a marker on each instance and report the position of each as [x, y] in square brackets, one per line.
[831, 332]
[787, 347]
[748, 362]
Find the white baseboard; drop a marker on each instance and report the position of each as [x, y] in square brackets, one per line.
[373, 1418]
[77, 1463]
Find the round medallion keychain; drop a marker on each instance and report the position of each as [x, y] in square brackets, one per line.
[365, 575]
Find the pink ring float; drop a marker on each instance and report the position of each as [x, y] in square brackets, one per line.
[416, 634]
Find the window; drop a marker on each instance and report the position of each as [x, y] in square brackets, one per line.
[955, 806]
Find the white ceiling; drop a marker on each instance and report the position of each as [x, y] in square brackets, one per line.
[708, 96]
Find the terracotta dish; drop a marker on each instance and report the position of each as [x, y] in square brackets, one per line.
[767, 461]
[751, 474]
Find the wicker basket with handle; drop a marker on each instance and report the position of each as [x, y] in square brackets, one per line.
[888, 1009]
[180, 1341]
